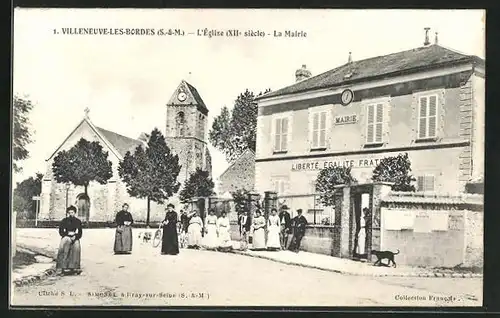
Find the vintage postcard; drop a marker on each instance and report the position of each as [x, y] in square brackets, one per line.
[247, 158]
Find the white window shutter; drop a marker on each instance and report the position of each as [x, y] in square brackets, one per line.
[284, 134]
[370, 124]
[432, 118]
[322, 131]
[422, 117]
[277, 133]
[379, 122]
[315, 127]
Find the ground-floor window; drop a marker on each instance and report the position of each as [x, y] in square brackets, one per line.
[426, 183]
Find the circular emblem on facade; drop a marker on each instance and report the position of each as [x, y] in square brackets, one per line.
[182, 96]
[346, 97]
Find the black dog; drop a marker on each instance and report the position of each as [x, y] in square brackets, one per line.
[381, 255]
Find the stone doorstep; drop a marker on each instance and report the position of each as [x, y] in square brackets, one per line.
[364, 271]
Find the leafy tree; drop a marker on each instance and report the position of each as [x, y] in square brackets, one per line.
[151, 173]
[24, 193]
[330, 177]
[396, 170]
[21, 133]
[240, 198]
[234, 132]
[199, 184]
[83, 163]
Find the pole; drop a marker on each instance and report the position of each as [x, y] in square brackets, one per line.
[36, 213]
[67, 197]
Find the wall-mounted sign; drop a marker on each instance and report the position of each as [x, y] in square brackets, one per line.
[353, 163]
[346, 97]
[347, 119]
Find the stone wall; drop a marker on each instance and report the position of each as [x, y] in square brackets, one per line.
[474, 239]
[320, 239]
[459, 244]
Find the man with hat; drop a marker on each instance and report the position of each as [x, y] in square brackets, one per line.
[299, 230]
[285, 228]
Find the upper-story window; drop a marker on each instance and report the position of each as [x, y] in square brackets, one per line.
[427, 116]
[375, 123]
[180, 124]
[318, 138]
[282, 133]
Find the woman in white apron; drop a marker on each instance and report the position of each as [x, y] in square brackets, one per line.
[211, 238]
[273, 234]
[223, 227]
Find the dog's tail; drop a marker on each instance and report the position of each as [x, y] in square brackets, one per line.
[396, 253]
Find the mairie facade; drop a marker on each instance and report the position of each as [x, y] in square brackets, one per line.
[428, 102]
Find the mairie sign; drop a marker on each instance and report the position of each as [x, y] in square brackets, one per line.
[353, 163]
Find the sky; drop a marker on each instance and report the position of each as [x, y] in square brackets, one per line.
[126, 81]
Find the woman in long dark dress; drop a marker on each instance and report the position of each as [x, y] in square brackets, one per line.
[68, 255]
[123, 236]
[170, 240]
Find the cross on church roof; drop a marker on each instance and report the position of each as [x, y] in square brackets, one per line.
[87, 111]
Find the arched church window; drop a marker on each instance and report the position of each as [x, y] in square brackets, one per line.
[180, 123]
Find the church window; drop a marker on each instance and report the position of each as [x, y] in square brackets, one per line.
[180, 122]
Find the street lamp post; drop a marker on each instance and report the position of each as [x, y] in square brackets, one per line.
[67, 190]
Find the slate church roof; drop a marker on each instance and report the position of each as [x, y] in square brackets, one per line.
[409, 61]
[121, 143]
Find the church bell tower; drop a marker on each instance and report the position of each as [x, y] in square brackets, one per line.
[186, 130]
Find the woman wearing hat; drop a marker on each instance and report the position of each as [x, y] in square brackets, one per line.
[123, 235]
[68, 255]
[259, 234]
[170, 240]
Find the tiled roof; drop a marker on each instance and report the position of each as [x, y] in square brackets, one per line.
[424, 198]
[380, 66]
[197, 97]
[121, 143]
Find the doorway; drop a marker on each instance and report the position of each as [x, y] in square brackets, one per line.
[83, 206]
[360, 203]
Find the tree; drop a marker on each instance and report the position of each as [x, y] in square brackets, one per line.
[21, 133]
[240, 198]
[83, 163]
[199, 184]
[24, 193]
[330, 177]
[395, 170]
[151, 173]
[234, 132]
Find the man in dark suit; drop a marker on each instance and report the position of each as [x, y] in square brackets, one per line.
[245, 224]
[299, 230]
[286, 225]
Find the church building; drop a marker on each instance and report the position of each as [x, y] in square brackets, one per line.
[185, 134]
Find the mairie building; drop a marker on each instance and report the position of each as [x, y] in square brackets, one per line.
[428, 102]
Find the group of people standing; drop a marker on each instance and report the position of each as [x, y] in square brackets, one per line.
[214, 233]
[277, 227]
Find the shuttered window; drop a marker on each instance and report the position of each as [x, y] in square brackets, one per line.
[281, 134]
[425, 183]
[280, 185]
[319, 130]
[427, 116]
[374, 123]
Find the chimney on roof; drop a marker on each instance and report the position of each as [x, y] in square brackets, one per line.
[427, 42]
[302, 73]
[349, 60]
[436, 39]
